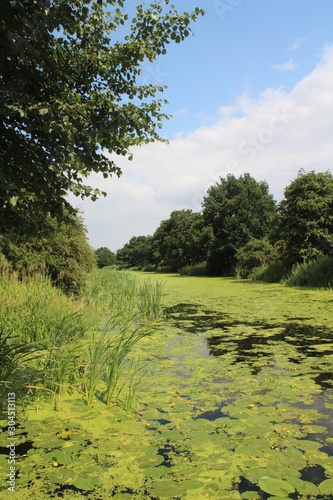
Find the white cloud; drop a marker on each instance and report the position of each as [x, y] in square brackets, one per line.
[297, 44]
[271, 138]
[287, 66]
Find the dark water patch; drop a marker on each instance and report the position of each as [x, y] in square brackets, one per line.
[168, 449]
[325, 380]
[314, 474]
[211, 415]
[249, 348]
[163, 421]
[165, 452]
[245, 485]
[323, 419]
[20, 449]
[61, 491]
[183, 309]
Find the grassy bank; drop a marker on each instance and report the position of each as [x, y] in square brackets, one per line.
[53, 344]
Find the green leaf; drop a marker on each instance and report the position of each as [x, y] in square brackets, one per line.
[277, 487]
[326, 487]
[84, 484]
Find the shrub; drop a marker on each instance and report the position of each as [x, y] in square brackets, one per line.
[273, 273]
[60, 249]
[199, 270]
[315, 273]
[254, 254]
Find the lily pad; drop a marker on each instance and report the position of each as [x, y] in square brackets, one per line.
[155, 471]
[62, 476]
[277, 487]
[192, 484]
[149, 461]
[84, 484]
[326, 487]
[167, 489]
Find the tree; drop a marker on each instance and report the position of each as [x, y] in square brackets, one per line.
[59, 249]
[306, 217]
[105, 257]
[255, 253]
[180, 240]
[137, 252]
[238, 210]
[71, 94]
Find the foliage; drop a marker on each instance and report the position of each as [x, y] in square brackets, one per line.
[219, 409]
[105, 257]
[52, 343]
[136, 253]
[237, 210]
[198, 270]
[318, 273]
[117, 291]
[12, 354]
[273, 273]
[40, 329]
[306, 217]
[254, 254]
[181, 240]
[59, 249]
[71, 93]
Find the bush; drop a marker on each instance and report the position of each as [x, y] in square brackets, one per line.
[60, 249]
[199, 270]
[254, 254]
[315, 273]
[273, 273]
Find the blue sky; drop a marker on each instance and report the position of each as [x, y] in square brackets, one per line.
[251, 91]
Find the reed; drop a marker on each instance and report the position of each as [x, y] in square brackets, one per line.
[63, 344]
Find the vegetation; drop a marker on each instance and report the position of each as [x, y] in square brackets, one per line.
[136, 253]
[105, 257]
[238, 210]
[181, 240]
[239, 409]
[53, 344]
[71, 94]
[242, 231]
[306, 217]
[58, 247]
[255, 253]
[315, 273]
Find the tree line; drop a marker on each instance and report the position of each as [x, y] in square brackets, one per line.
[241, 228]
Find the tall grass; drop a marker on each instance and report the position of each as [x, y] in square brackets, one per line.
[40, 333]
[55, 343]
[318, 273]
[115, 291]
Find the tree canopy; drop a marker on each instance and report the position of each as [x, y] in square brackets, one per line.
[306, 217]
[105, 257]
[71, 94]
[180, 240]
[238, 210]
[137, 252]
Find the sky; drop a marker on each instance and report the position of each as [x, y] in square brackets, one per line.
[250, 91]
